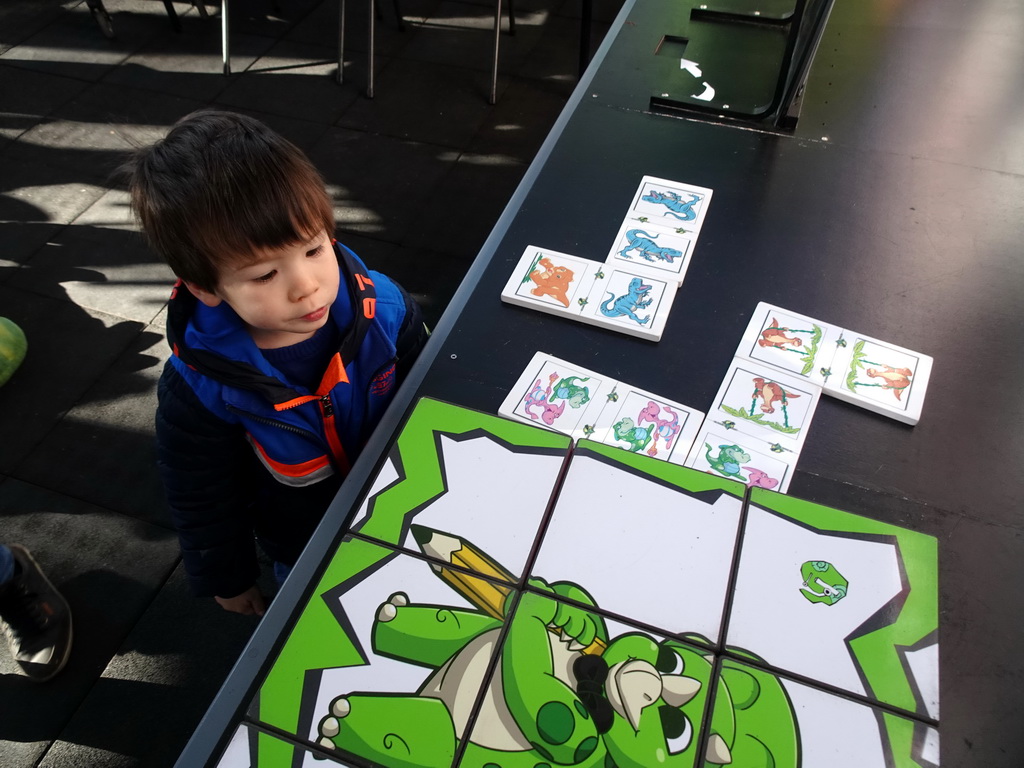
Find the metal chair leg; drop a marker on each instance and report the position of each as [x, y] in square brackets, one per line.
[102, 18]
[224, 44]
[369, 67]
[172, 15]
[493, 99]
[586, 15]
[341, 41]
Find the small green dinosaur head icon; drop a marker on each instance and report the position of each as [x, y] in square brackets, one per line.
[822, 583]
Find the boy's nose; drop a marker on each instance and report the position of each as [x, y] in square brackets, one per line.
[303, 284]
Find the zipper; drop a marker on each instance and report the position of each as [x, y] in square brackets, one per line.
[331, 433]
[326, 406]
[274, 422]
[336, 452]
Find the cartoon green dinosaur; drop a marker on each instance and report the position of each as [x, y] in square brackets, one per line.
[570, 390]
[638, 437]
[822, 583]
[728, 461]
[563, 693]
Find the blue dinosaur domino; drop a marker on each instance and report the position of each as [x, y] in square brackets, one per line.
[626, 306]
[677, 208]
[643, 243]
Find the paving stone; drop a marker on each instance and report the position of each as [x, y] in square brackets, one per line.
[102, 450]
[378, 183]
[162, 680]
[109, 568]
[270, 18]
[556, 56]
[294, 80]
[429, 276]
[482, 186]
[28, 95]
[74, 46]
[190, 63]
[24, 18]
[432, 103]
[517, 125]
[462, 34]
[135, 116]
[101, 262]
[68, 349]
[320, 27]
[38, 196]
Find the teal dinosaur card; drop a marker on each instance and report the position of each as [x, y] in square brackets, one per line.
[862, 592]
[724, 451]
[648, 614]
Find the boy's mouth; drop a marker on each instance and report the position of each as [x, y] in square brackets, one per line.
[312, 317]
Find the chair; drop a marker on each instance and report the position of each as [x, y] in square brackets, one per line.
[584, 58]
[106, 24]
[803, 28]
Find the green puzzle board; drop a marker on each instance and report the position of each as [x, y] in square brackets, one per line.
[504, 599]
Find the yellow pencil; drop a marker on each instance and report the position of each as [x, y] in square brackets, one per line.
[485, 595]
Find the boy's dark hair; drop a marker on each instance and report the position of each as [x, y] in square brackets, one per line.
[219, 188]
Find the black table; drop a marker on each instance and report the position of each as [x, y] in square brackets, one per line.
[893, 209]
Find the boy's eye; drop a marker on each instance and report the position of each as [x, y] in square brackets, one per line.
[266, 277]
[315, 251]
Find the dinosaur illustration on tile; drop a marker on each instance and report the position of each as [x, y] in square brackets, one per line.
[564, 689]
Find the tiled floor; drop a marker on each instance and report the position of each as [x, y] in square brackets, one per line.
[419, 174]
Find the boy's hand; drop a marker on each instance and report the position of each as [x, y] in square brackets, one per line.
[248, 603]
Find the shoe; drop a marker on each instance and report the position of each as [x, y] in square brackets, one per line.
[36, 619]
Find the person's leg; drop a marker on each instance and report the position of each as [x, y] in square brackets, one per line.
[34, 616]
[6, 565]
[281, 572]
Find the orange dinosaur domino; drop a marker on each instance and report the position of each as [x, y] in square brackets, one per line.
[774, 336]
[553, 281]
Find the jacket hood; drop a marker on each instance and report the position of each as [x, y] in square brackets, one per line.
[215, 342]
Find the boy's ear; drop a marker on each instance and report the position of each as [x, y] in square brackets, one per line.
[209, 299]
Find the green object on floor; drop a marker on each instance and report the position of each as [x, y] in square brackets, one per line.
[13, 346]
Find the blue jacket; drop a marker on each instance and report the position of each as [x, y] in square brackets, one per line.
[243, 452]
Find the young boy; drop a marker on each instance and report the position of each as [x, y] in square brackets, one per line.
[286, 349]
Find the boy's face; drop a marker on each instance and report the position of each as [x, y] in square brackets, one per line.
[284, 295]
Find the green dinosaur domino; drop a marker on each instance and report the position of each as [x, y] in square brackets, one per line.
[822, 583]
[728, 461]
[638, 437]
[572, 391]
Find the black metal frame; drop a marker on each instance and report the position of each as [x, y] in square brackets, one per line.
[805, 29]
